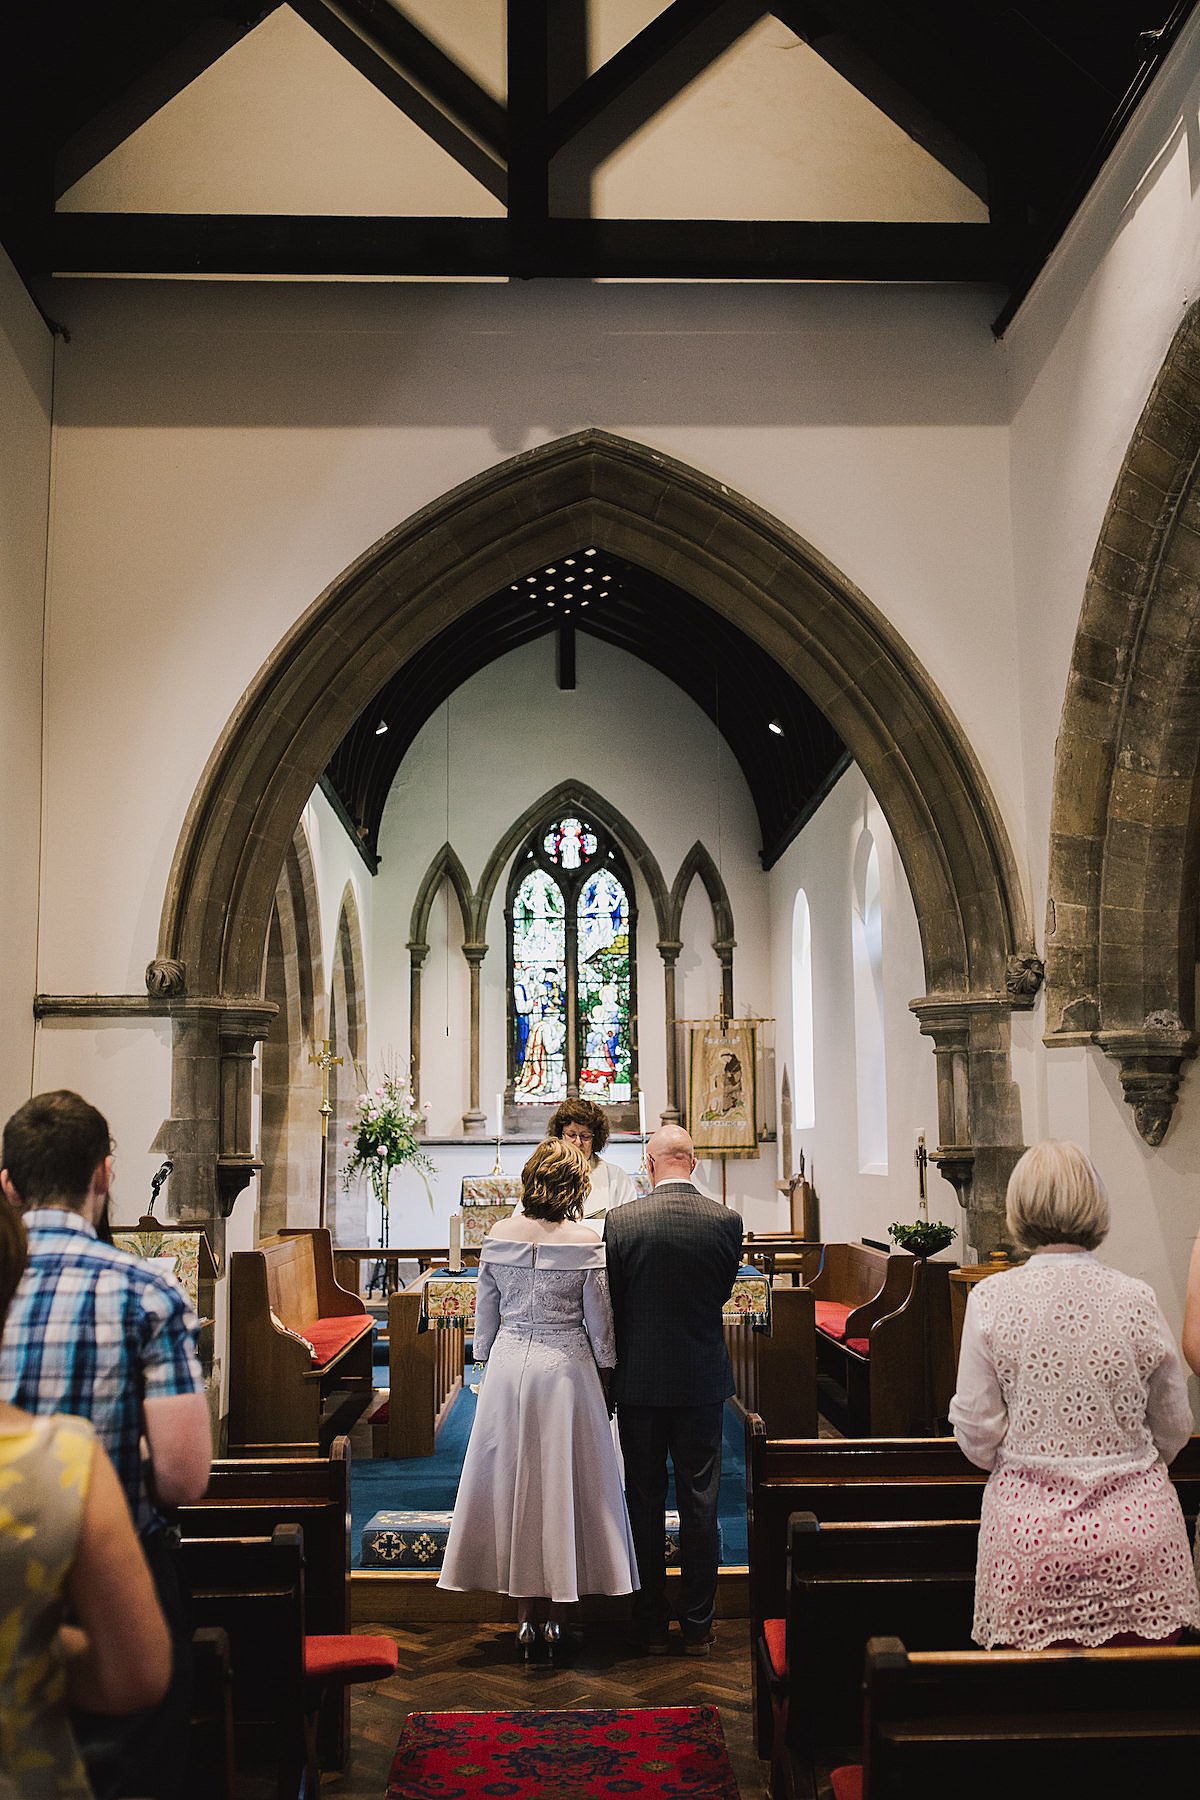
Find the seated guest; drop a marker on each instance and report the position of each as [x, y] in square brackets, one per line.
[1071, 1392]
[66, 1543]
[582, 1123]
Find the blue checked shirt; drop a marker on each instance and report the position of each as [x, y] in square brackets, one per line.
[94, 1332]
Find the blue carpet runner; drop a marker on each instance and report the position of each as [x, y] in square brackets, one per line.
[430, 1483]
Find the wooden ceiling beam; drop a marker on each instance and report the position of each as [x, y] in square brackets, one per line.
[342, 30]
[528, 155]
[641, 249]
[641, 56]
[403, 45]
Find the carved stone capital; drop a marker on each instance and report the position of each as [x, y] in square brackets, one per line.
[1023, 976]
[668, 949]
[166, 978]
[417, 952]
[475, 953]
[1150, 1058]
[956, 1164]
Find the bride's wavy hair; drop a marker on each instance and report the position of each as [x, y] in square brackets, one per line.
[555, 1182]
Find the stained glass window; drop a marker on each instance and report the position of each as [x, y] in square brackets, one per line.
[603, 952]
[539, 989]
[573, 967]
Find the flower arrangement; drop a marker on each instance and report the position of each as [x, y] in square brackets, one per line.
[925, 1238]
[384, 1137]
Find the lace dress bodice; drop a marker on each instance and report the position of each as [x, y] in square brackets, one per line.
[1071, 1391]
[543, 1291]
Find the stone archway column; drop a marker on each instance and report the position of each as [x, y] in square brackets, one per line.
[725, 948]
[416, 962]
[210, 1131]
[474, 1121]
[979, 1108]
[668, 949]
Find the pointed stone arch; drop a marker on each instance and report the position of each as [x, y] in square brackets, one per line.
[347, 1038]
[445, 867]
[1125, 826]
[697, 863]
[293, 978]
[750, 569]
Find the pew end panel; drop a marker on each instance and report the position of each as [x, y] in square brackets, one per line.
[775, 1376]
[286, 1359]
[425, 1370]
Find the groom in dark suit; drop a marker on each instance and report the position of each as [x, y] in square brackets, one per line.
[672, 1259]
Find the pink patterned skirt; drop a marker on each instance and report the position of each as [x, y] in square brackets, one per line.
[1081, 1552]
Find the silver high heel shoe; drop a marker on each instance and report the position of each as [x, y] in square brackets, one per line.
[552, 1633]
[526, 1637]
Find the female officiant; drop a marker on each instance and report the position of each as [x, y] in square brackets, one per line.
[582, 1123]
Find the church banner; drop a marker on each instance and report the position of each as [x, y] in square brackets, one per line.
[722, 1110]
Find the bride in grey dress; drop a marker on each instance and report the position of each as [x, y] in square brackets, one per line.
[540, 1512]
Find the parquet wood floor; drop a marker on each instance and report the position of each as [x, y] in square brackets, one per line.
[463, 1668]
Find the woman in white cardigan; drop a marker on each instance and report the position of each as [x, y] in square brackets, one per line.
[1071, 1391]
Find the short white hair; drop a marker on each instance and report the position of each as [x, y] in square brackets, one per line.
[1055, 1196]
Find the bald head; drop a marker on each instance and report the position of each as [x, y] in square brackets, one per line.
[669, 1155]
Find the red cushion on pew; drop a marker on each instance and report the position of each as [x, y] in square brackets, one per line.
[775, 1637]
[831, 1317]
[860, 1346]
[328, 1336]
[847, 1782]
[348, 1658]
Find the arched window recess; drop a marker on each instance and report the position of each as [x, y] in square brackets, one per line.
[571, 920]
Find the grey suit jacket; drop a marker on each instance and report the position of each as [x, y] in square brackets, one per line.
[672, 1259]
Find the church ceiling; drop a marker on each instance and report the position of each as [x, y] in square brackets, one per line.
[879, 140]
[786, 749]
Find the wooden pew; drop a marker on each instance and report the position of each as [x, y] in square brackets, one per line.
[281, 1294]
[849, 1581]
[425, 1373]
[252, 1588]
[875, 1380]
[841, 1479]
[781, 1253]
[997, 1723]
[248, 1498]
[775, 1377]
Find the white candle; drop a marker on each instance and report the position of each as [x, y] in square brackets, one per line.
[641, 1113]
[455, 1243]
[500, 1114]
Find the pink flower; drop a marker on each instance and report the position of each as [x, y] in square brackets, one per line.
[345, 1143]
[428, 1106]
[379, 1093]
[382, 1150]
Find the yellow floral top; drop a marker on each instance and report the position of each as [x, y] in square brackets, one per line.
[44, 1470]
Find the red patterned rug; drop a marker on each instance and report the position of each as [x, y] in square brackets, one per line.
[650, 1753]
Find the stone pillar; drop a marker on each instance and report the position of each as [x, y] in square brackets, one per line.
[668, 949]
[474, 1121]
[416, 961]
[725, 948]
[979, 1112]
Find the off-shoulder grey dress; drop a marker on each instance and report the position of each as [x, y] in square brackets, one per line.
[540, 1507]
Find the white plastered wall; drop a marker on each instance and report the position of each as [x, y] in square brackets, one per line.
[855, 1202]
[1082, 356]
[26, 389]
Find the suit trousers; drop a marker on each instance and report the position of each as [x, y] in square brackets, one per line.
[691, 1436]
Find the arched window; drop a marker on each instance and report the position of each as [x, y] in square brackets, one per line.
[572, 971]
[804, 1099]
[867, 936]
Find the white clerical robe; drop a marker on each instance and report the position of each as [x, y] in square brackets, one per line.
[611, 1186]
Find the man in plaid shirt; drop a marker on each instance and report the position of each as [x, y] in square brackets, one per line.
[94, 1332]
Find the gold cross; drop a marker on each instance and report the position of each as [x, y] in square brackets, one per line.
[325, 1061]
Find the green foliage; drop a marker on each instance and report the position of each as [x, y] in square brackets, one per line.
[384, 1137]
[924, 1238]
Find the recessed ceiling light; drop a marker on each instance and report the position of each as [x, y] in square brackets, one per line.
[776, 727]
[589, 553]
[381, 728]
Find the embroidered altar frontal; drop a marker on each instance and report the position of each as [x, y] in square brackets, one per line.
[417, 1540]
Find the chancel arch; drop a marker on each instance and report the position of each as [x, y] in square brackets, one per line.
[1125, 828]
[293, 978]
[753, 572]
